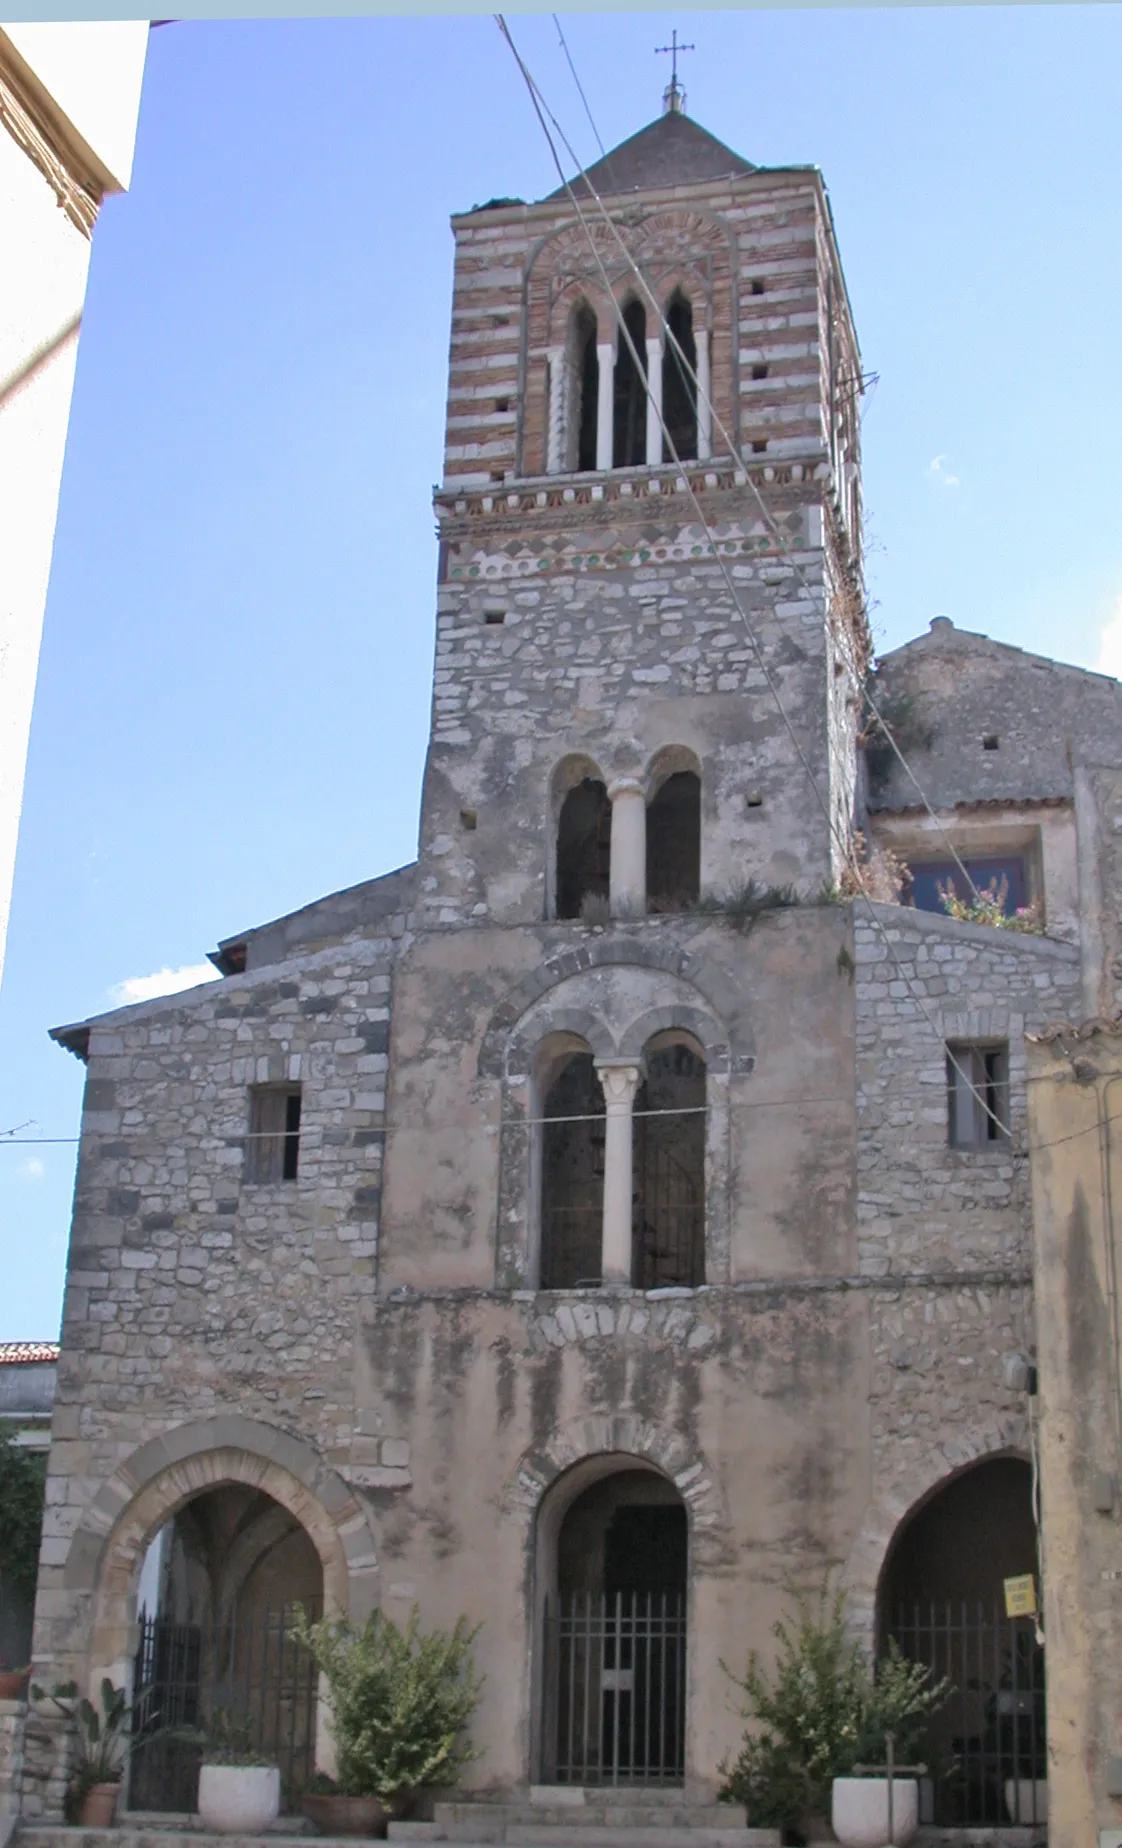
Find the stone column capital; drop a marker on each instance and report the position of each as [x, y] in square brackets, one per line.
[619, 1079]
[625, 786]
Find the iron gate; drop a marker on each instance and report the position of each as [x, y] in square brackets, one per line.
[182, 1671]
[987, 1745]
[615, 1688]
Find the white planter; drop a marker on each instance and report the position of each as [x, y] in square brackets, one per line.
[238, 1799]
[1019, 1799]
[860, 1811]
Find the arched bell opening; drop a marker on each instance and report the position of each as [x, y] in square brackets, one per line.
[584, 849]
[668, 1226]
[217, 1592]
[679, 372]
[629, 429]
[961, 1567]
[674, 843]
[584, 364]
[612, 1560]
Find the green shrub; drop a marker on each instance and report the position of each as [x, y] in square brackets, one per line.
[23, 1475]
[400, 1701]
[819, 1712]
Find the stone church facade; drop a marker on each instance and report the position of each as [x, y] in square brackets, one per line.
[589, 1211]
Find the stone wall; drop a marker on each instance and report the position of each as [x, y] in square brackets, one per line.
[618, 667]
[1046, 716]
[12, 1716]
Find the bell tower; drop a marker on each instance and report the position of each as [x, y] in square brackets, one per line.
[650, 555]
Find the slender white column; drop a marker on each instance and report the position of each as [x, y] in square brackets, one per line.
[555, 440]
[620, 1084]
[654, 402]
[605, 404]
[627, 874]
[704, 410]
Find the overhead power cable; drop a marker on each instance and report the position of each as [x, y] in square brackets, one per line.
[541, 110]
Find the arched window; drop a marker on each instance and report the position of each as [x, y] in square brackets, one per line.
[668, 1226]
[584, 845]
[679, 393]
[584, 391]
[629, 434]
[572, 1171]
[674, 843]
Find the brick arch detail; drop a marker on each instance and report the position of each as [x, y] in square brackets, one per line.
[677, 241]
[894, 1506]
[666, 957]
[623, 1434]
[156, 1480]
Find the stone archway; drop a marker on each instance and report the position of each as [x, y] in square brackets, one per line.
[888, 1511]
[106, 1552]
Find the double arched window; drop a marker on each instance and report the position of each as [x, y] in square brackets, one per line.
[646, 858]
[667, 1157]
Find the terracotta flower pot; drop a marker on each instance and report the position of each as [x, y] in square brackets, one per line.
[98, 1808]
[334, 1814]
[13, 1683]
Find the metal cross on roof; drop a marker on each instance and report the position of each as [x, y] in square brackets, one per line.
[673, 97]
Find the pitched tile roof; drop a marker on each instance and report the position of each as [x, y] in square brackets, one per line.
[13, 1353]
[670, 151]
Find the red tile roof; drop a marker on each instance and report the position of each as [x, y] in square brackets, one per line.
[13, 1352]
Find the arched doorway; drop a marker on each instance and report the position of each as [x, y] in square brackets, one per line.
[942, 1599]
[218, 1587]
[613, 1561]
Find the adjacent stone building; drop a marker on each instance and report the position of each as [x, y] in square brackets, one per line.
[609, 1219]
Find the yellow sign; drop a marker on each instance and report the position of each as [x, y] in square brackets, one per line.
[1020, 1596]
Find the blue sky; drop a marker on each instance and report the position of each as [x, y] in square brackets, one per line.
[233, 692]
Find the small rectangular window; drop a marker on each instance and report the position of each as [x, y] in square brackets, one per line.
[757, 285]
[273, 1153]
[977, 1095]
[759, 372]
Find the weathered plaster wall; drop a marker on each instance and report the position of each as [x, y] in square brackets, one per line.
[773, 1010]
[750, 1400]
[1075, 1083]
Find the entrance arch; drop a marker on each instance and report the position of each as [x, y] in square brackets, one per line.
[218, 1589]
[612, 1575]
[941, 1599]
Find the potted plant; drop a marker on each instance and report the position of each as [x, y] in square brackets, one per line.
[102, 1741]
[873, 1808]
[816, 1716]
[400, 1701]
[239, 1789]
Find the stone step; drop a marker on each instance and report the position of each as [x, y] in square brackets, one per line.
[576, 1832]
[634, 1810]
